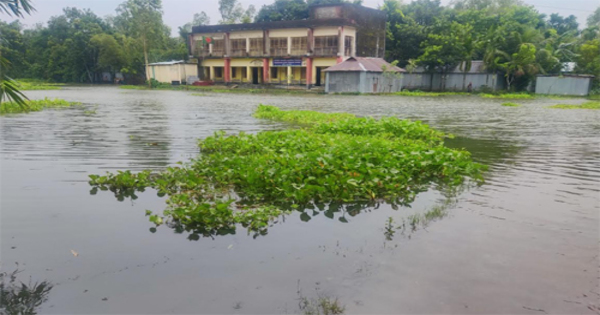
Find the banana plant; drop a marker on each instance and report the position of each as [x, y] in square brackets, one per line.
[9, 89]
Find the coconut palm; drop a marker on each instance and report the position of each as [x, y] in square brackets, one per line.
[8, 87]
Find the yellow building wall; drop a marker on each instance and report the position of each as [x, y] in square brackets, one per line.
[170, 73]
[325, 31]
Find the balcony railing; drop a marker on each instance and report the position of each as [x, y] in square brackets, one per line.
[279, 51]
[238, 52]
[326, 51]
[218, 52]
[298, 52]
[256, 52]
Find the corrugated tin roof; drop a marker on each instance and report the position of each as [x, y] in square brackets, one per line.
[362, 64]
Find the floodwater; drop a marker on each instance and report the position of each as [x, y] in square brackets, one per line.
[526, 242]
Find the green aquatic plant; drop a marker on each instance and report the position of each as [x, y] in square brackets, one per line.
[337, 159]
[429, 94]
[30, 85]
[34, 106]
[586, 105]
[509, 96]
[509, 104]
[21, 298]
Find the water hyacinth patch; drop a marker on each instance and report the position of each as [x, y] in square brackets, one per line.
[336, 160]
[586, 105]
[509, 104]
[34, 106]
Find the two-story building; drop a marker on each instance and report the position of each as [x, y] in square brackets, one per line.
[288, 52]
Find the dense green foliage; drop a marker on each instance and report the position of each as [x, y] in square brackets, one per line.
[506, 34]
[509, 36]
[31, 85]
[586, 105]
[509, 104]
[34, 106]
[337, 159]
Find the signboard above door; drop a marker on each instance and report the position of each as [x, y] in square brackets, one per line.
[287, 62]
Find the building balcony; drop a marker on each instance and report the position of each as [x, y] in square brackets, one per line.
[278, 51]
[326, 51]
[238, 53]
[298, 52]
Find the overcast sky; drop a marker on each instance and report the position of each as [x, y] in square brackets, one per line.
[179, 12]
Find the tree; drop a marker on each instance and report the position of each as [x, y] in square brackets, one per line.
[143, 19]
[283, 10]
[563, 25]
[8, 87]
[594, 19]
[233, 12]
[199, 19]
[110, 54]
[520, 64]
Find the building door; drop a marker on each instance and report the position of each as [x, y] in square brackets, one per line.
[255, 76]
[318, 83]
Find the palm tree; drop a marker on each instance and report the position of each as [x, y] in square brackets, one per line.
[8, 87]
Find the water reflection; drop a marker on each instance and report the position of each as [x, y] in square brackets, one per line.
[19, 298]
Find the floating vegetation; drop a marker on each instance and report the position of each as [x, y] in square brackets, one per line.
[586, 105]
[338, 163]
[429, 94]
[509, 104]
[30, 85]
[509, 96]
[34, 106]
[21, 298]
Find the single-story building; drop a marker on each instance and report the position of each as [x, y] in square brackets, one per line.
[363, 75]
[566, 84]
[174, 72]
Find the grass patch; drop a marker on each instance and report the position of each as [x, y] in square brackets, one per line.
[586, 105]
[429, 94]
[31, 85]
[34, 106]
[509, 96]
[336, 164]
[509, 104]
[222, 89]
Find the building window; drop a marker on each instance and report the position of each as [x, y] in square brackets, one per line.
[299, 46]
[218, 47]
[202, 49]
[238, 47]
[279, 46]
[348, 42]
[326, 46]
[256, 47]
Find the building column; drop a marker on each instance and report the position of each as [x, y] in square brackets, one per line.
[249, 74]
[289, 46]
[227, 74]
[290, 75]
[211, 73]
[266, 71]
[227, 45]
[309, 72]
[341, 43]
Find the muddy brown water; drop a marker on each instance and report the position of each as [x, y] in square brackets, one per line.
[525, 242]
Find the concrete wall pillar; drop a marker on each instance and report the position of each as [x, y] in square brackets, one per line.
[227, 45]
[249, 74]
[290, 75]
[266, 71]
[289, 46]
[309, 72]
[341, 43]
[227, 73]
[211, 73]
